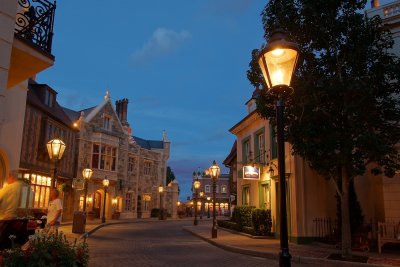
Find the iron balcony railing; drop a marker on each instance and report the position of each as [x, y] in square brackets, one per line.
[34, 22]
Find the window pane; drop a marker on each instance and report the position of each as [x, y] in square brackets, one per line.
[113, 164]
[95, 148]
[102, 162]
[95, 161]
[48, 181]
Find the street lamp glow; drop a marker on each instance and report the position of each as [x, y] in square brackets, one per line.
[87, 173]
[160, 189]
[55, 148]
[214, 170]
[106, 182]
[278, 60]
[208, 198]
[196, 184]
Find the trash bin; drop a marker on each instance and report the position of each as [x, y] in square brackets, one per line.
[79, 222]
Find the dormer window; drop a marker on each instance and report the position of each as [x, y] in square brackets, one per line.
[49, 98]
[107, 122]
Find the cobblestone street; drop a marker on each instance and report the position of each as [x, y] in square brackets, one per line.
[161, 244]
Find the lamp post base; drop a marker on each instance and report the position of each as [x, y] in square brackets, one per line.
[284, 258]
[214, 233]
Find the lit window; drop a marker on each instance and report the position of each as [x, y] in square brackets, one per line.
[207, 189]
[40, 186]
[223, 189]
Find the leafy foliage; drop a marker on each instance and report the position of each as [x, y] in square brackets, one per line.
[262, 221]
[170, 175]
[242, 216]
[48, 250]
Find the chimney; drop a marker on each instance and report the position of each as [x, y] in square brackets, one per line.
[374, 3]
[124, 111]
[121, 107]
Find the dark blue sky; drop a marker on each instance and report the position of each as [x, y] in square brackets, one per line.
[182, 65]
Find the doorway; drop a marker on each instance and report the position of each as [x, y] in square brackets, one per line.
[97, 204]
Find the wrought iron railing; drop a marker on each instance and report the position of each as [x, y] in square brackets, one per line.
[34, 22]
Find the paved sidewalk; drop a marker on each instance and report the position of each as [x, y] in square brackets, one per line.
[315, 253]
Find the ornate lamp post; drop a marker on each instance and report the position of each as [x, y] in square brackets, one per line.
[106, 183]
[196, 185]
[86, 173]
[214, 171]
[278, 62]
[201, 194]
[55, 148]
[208, 207]
[161, 213]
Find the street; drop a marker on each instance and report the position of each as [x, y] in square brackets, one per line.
[154, 243]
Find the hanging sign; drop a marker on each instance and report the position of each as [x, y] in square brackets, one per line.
[251, 172]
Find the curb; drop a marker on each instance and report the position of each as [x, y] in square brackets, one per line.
[275, 256]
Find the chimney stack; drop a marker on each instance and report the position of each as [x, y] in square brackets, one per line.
[122, 111]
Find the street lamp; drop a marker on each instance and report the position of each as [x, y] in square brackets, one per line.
[196, 185]
[161, 213]
[214, 171]
[86, 173]
[55, 148]
[208, 207]
[106, 183]
[201, 194]
[278, 62]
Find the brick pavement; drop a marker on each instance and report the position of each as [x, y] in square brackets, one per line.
[269, 248]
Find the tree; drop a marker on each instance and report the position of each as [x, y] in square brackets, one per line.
[170, 175]
[343, 117]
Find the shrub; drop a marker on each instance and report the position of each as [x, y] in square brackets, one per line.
[262, 221]
[48, 250]
[242, 216]
[228, 224]
[248, 230]
[155, 213]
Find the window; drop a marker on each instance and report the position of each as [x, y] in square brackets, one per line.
[246, 195]
[40, 186]
[147, 168]
[131, 165]
[223, 189]
[107, 122]
[274, 144]
[261, 148]
[246, 150]
[48, 98]
[217, 189]
[128, 201]
[207, 188]
[104, 157]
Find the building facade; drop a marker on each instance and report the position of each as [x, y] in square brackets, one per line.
[308, 195]
[222, 203]
[23, 55]
[45, 120]
[134, 166]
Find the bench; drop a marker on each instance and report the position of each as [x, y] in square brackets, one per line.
[388, 233]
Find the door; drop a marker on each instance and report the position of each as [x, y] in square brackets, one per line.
[97, 204]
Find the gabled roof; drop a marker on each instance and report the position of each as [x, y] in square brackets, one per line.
[56, 111]
[232, 155]
[148, 144]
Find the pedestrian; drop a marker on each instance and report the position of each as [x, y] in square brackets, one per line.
[54, 211]
[10, 200]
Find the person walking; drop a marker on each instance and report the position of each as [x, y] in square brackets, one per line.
[54, 211]
[10, 200]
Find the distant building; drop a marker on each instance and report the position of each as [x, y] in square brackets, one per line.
[231, 163]
[222, 204]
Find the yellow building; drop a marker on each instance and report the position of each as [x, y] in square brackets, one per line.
[25, 49]
[308, 195]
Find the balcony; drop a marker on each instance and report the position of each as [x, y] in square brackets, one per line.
[33, 35]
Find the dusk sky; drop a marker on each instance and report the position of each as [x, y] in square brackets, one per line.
[182, 65]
